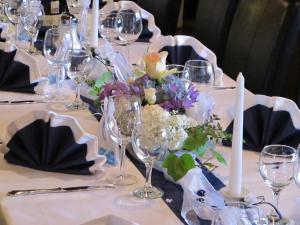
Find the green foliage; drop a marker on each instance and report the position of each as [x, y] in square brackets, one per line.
[177, 167]
[96, 85]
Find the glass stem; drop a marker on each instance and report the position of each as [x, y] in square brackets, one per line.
[149, 166]
[77, 97]
[122, 159]
[16, 32]
[275, 202]
[128, 55]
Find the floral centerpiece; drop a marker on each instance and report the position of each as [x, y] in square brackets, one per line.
[170, 103]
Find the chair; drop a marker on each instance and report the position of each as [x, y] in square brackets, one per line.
[260, 44]
[165, 12]
[212, 23]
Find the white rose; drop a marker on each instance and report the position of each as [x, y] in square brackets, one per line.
[150, 95]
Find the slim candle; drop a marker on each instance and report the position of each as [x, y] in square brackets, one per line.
[94, 30]
[236, 157]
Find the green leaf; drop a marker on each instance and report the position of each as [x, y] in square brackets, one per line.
[196, 139]
[220, 158]
[105, 77]
[177, 167]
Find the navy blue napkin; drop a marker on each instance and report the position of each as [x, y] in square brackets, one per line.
[146, 34]
[179, 54]
[14, 75]
[264, 126]
[49, 144]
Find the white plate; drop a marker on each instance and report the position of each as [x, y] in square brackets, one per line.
[110, 220]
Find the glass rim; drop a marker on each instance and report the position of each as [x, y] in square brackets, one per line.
[198, 66]
[279, 145]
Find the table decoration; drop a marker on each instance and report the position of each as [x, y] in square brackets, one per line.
[48, 141]
[94, 26]
[165, 99]
[236, 157]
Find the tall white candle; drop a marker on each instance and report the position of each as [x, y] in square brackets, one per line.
[94, 30]
[236, 157]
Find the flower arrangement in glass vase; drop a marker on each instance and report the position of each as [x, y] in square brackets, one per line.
[173, 104]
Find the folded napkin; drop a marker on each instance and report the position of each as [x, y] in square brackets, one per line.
[150, 31]
[18, 70]
[269, 120]
[48, 141]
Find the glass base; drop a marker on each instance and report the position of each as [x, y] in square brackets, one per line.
[148, 192]
[125, 180]
[276, 221]
[76, 106]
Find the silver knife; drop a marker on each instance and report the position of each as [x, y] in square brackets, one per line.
[9, 102]
[59, 190]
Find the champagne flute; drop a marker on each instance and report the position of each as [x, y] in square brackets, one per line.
[122, 111]
[12, 11]
[297, 167]
[129, 27]
[148, 147]
[56, 44]
[276, 169]
[79, 63]
[32, 17]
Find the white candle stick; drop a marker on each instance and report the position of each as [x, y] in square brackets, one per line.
[94, 30]
[236, 158]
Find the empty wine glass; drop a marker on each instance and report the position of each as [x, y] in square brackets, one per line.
[128, 26]
[148, 147]
[32, 17]
[107, 28]
[79, 64]
[239, 213]
[122, 111]
[297, 167]
[276, 169]
[200, 72]
[12, 11]
[56, 44]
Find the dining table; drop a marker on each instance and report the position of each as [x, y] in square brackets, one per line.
[90, 207]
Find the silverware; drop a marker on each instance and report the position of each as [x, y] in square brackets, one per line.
[12, 102]
[59, 190]
[224, 88]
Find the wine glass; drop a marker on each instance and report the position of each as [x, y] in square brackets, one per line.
[148, 147]
[79, 63]
[297, 167]
[107, 28]
[56, 44]
[122, 111]
[276, 169]
[239, 213]
[128, 26]
[201, 72]
[32, 17]
[12, 11]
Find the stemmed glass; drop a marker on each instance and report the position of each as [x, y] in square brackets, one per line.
[79, 64]
[12, 11]
[56, 44]
[107, 28]
[32, 17]
[148, 147]
[276, 169]
[128, 26]
[122, 111]
[297, 167]
[201, 72]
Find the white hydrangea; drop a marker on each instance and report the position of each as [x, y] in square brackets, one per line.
[156, 118]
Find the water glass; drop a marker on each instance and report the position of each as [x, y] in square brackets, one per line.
[148, 147]
[79, 64]
[276, 168]
[12, 11]
[122, 111]
[239, 213]
[56, 44]
[201, 72]
[107, 28]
